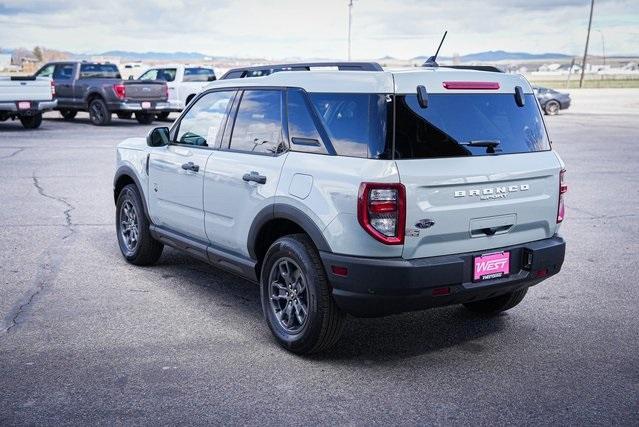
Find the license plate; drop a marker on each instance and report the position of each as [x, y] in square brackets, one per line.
[146, 105]
[24, 105]
[491, 266]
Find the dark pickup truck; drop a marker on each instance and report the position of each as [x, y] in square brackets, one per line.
[99, 89]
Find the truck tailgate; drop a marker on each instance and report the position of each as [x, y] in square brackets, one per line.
[145, 90]
[24, 89]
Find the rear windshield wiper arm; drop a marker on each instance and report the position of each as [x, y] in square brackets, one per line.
[490, 144]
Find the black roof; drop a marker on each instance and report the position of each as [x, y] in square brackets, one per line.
[265, 70]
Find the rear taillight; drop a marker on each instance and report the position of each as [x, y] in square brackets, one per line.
[52, 89]
[563, 188]
[120, 90]
[166, 91]
[381, 211]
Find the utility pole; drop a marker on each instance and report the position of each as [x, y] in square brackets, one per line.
[350, 17]
[583, 64]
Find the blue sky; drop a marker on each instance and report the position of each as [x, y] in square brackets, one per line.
[288, 29]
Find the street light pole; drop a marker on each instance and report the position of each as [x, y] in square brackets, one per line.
[583, 64]
[350, 16]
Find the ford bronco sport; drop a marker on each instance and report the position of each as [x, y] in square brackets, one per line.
[353, 190]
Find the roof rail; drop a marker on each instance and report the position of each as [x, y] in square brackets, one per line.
[491, 68]
[265, 70]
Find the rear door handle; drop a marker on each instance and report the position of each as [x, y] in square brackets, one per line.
[255, 177]
[190, 166]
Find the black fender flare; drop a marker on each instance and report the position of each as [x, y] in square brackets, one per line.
[130, 173]
[291, 213]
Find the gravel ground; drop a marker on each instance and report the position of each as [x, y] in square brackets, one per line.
[88, 339]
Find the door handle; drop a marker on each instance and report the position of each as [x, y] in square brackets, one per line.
[190, 166]
[255, 177]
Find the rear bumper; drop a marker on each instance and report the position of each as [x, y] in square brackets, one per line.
[564, 103]
[36, 107]
[381, 286]
[155, 107]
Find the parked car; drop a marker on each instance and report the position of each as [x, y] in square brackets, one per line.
[99, 89]
[360, 192]
[26, 98]
[551, 101]
[183, 81]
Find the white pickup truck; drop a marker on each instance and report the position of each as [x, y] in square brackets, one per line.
[26, 98]
[184, 82]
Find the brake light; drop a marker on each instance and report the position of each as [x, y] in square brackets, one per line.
[563, 188]
[52, 89]
[381, 211]
[472, 85]
[120, 90]
[166, 91]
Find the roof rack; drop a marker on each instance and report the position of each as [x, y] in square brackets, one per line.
[265, 70]
[491, 68]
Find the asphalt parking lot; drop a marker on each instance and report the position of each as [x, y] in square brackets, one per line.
[86, 338]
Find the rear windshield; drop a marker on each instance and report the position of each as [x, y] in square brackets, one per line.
[456, 125]
[99, 71]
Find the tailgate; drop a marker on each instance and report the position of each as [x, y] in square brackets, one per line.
[25, 90]
[478, 203]
[145, 90]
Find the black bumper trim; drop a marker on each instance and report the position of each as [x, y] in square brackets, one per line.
[381, 286]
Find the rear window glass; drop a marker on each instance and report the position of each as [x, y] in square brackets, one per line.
[100, 71]
[198, 75]
[356, 123]
[451, 124]
[164, 74]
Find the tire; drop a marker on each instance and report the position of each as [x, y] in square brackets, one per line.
[99, 113]
[498, 304]
[125, 115]
[308, 290]
[31, 122]
[163, 116]
[144, 118]
[68, 114]
[132, 226]
[552, 108]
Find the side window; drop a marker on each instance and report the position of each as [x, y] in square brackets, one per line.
[198, 75]
[149, 75]
[63, 72]
[201, 124]
[258, 124]
[301, 127]
[46, 71]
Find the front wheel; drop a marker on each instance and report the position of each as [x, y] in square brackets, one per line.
[551, 108]
[144, 118]
[68, 114]
[99, 113]
[498, 304]
[134, 238]
[31, 122]
[296, 298]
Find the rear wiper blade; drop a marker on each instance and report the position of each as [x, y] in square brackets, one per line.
[489, 143]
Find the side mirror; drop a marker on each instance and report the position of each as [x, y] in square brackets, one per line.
[158, 137]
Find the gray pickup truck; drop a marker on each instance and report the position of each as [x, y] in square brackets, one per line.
[99, 89]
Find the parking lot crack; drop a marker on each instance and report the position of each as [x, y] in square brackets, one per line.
[19, 150]
[67, 211]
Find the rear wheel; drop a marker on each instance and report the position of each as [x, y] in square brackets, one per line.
[552, 108]
[31, 122]
[125, 115]
[144, 118]
[163, 116]
[498, 304]
[134, 238]
[68, 114]
[99, 114]
[296, 298]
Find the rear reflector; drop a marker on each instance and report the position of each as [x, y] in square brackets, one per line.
[563, 188]
[440, 292]
[339, 270]
[472, 85]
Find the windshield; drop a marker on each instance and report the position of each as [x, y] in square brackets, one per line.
[464, 124]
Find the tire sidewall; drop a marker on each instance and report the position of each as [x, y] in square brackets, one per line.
[291, 248]
[549, 110]
[94, 119]
[131, 194]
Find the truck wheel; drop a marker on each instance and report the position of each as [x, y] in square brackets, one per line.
[296, 298]
[551, 108]
[125, 115]
[134, 238]
[99, 114]
[68, 114]
[498, 304]
[163, 116]
[31, 122]
[144, 118]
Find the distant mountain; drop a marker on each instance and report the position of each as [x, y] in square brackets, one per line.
[500, 55]
[157, 56]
